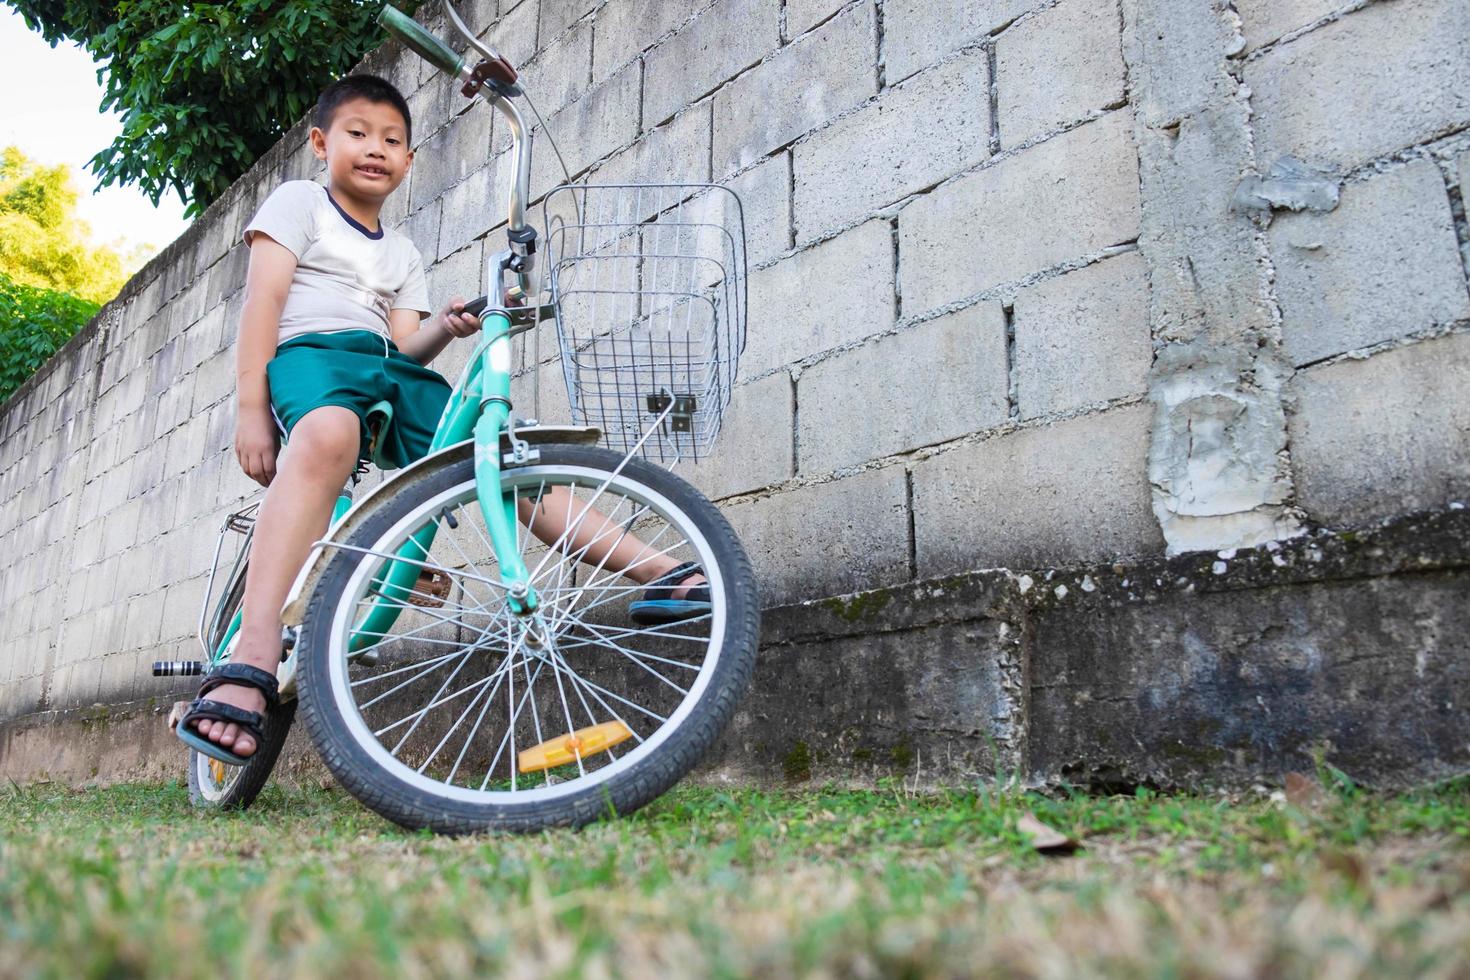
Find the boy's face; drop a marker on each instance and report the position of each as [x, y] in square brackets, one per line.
[366, 148]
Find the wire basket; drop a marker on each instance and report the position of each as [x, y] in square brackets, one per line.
[649, 283]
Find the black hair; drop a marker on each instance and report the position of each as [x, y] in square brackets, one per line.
[369, 87]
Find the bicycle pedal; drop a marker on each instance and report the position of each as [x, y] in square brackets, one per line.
[431, 590]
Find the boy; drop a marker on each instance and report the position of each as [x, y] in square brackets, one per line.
[333, 322]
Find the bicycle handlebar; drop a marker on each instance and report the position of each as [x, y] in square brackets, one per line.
[429, 47]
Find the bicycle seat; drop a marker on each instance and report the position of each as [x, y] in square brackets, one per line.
[378, 419]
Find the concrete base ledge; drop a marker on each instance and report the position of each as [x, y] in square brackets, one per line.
[1195, 671]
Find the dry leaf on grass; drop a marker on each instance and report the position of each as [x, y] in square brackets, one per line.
[1348, 865]
[1044, 839]
[1304, 792]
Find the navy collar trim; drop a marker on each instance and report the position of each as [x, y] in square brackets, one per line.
[375, 235]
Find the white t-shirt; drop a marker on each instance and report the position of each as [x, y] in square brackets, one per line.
[347, 278]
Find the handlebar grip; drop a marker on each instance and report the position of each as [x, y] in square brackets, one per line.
[413, 35]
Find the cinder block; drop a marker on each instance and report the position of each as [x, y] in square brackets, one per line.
[555, 408]
[475, 205]
[765, 200]
[422, 228]
[223, 231]
[723, 40]
[623, 29]
[917, 33]
[515, 34]
[1385, 435]
[449, 156]
[428, 109]
[1465, 179]
[828, 538]
[830, 294]
[181, 606]
[174, 404]
[115, 485]
[227, 276]
[188, 306]
[913, 136]
[1069, 491]
[561, 70]
[199, 341]
[214, 380]
[803, 15]
[674, 153]
[461, 274]
[754, 446]
[1065, 198]
[478, 14]
[558, 15]
[144, 614]
[1385, 77]
[1264, 21]
[1083, 337]
[120, 528]
[797, 89]
[1056, 68]
[75, 684]
[591, 128]
[120, 678]
[937, 381]
[1384, 264]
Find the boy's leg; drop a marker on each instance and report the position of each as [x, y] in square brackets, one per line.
[598, 539]
[298, 506]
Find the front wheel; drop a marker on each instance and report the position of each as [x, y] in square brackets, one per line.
[464, 715]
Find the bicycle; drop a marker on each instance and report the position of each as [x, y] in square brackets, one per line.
[464, 646]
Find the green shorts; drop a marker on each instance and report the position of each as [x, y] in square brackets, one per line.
[349, 369]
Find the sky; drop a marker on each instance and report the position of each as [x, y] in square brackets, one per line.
[61, 123]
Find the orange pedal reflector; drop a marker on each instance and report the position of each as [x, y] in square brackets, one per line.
[583, 742]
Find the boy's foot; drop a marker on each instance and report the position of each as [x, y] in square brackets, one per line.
[679, 594]
[228, 724]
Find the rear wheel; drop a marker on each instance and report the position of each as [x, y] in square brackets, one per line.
[464, 716]
[217, 785]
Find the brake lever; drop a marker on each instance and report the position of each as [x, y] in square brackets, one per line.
[489, 52]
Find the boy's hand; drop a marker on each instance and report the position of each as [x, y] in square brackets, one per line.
[458, 323]
[256, 445]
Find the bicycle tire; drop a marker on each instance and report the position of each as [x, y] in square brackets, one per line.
[669, 759]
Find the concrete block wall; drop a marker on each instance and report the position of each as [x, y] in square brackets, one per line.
[1034, 283]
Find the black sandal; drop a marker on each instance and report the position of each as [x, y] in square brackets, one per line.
[658, 604]
[251, 722]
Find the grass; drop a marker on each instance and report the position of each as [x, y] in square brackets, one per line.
[130, 881]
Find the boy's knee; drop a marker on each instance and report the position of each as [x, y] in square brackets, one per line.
[327, 439]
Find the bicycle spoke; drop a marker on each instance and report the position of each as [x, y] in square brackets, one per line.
[490, 772]
[490, 697]
[422, 712]
[598, 642]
